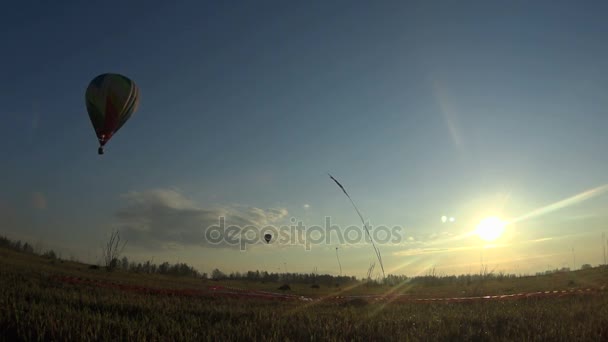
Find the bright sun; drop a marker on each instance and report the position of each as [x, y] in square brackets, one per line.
[490, 228]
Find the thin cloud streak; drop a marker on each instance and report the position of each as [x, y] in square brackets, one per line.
[586, 195]
[423, 251]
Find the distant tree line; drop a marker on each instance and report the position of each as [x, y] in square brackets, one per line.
[292, 278]
[25, 247]
[183, 269]
[178, 269]
[564, 269]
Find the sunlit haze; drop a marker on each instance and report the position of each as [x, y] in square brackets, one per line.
[474, 133]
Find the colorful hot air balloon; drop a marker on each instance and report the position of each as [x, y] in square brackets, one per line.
[111, 99]
[267, 237]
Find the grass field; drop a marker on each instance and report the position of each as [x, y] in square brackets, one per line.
[34, 307]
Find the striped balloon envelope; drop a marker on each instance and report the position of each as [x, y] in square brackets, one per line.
[111, 99]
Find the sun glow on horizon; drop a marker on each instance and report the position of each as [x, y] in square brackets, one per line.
[490, 228]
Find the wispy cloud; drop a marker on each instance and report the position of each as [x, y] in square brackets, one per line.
[583, 196]
[165, 218]
[449, 113]
[437, 250]
[433, 250]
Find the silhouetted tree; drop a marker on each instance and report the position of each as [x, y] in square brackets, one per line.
[50, 254]
[28, 248]
[124, 264]
[112, 251]
[217, 274]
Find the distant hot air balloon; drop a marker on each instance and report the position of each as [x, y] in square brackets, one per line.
[267, 237]
[111, 99]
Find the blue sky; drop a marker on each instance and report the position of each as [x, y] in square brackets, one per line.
[421, 109]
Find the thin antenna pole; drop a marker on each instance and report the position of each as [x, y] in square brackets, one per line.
[573, 260]
[604, 246]
[339, 264]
